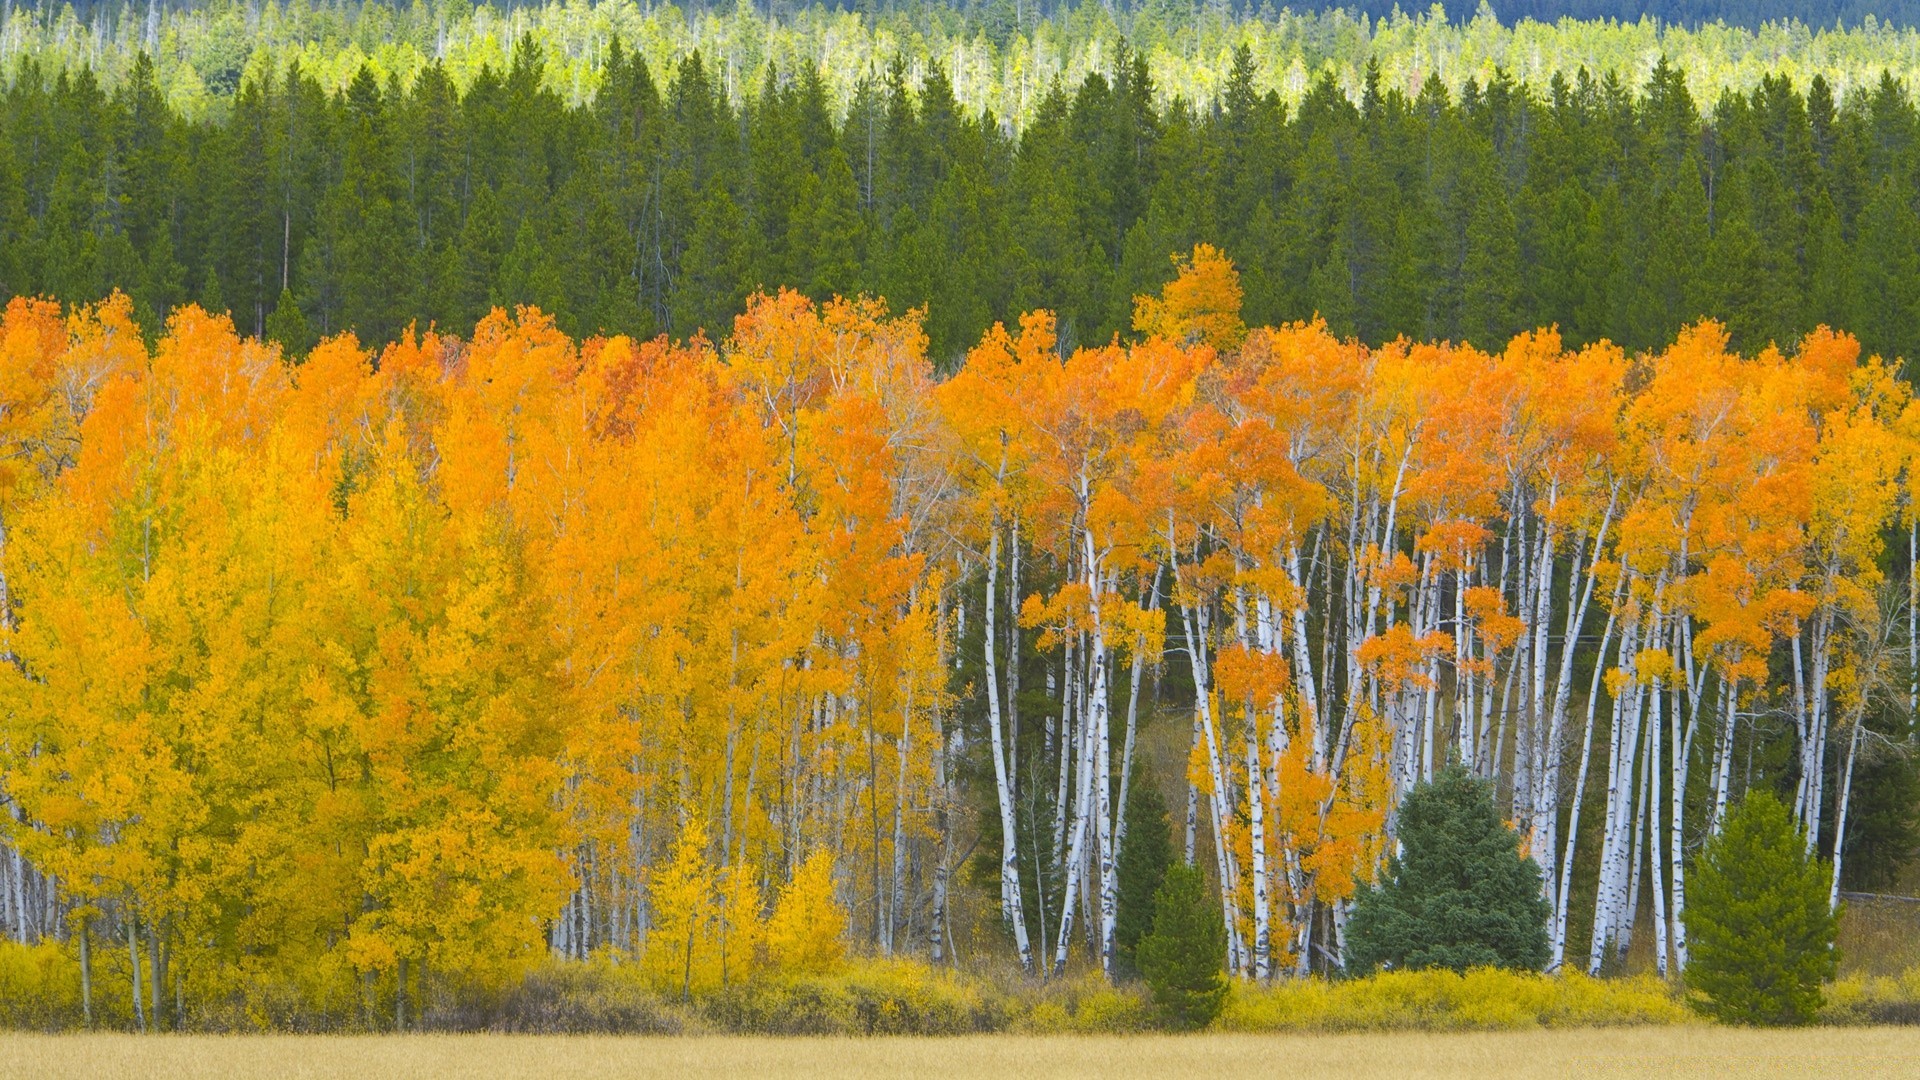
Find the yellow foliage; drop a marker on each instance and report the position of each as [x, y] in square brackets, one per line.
[807, 933]
[1440, 1000]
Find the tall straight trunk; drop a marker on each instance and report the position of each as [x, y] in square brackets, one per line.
[1193, 797]
[1002, 767]
[1256, 817]
[1546, 810]
[1616, 841]
[1013, 647]
[899, 883]
[157, 973]
[1303, 677]
[1100, 776]
[1723, 754]
[1629, 912]
[1068, 749]
[133, 955]
[942, 807]
[19, 884]
[1133, 715]
[1194, 621]
[1840, 812]
[1655, 837]
[1820, 721]
[86, 969]
[1676, 835]
[942, 827]
[1565, 892]
[1076, 853]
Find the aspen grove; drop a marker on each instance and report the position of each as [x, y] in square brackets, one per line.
[451, 655]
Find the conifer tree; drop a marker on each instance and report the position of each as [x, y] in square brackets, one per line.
[1459, 895]
[1181, 957]
[1144, 858]
[1759, 927]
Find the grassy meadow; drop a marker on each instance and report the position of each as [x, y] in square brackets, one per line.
[1669, 1052]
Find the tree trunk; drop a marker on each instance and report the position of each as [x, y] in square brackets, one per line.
[1002, 767]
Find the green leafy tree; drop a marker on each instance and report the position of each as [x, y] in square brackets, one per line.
[1759, 930]
[1181, 958]
[1459, 895]
[1144, 858]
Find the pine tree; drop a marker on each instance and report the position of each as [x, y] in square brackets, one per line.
[1459, 895]
[1758, 924]
[289, 327]
[1181, 958]
[1144, 859]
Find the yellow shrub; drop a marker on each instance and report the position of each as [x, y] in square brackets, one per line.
[39, 986]
[1085, 1004]
[1873, 999]
[808, 930]
[1480, 1000]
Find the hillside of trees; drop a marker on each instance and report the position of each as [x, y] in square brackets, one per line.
[706, 495]
[1612, 211]
[1002, 58]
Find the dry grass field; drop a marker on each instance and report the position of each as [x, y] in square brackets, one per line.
[1666, 1052]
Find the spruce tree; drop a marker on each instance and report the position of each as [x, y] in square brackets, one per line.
[1144, 858]
[1182, 957]
[1759, 931]
[288, 326]
[1459, 895]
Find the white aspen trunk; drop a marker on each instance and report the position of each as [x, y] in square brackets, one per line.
[1802, 729]
[1076, 852]
[1610, 896]
[1723, 763]
[1579, 796]
[1009, 836]
[1102, 771]
[1654, 834]
[1195, 627]
[1840, 812]
[895, 904]
[1913, 617]
[1133, 715]
[1303, 661]
[19, 883]
[86, 970]
[1676, 837]
[1819, 721]
[1256, 815]
[1216, 773]
[943, 841]
[1546, 810]
[1629, 912]
[133, 954]
[1069, 721]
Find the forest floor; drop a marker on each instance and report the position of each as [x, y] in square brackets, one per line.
[1667, 1052]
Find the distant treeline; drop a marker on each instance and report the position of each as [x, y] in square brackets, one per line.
[1612, 210]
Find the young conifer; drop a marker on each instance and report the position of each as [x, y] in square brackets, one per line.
[1459, 895]
[1758, 922]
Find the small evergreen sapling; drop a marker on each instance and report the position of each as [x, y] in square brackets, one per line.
[1144, 859]
[1182, 958]
[1759, 930]
[1459, 895]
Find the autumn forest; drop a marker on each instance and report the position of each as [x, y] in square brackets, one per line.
[733, 533]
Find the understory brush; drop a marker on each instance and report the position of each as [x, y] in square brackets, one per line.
[1872, 999]
[40, 991]
[1484, 999]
